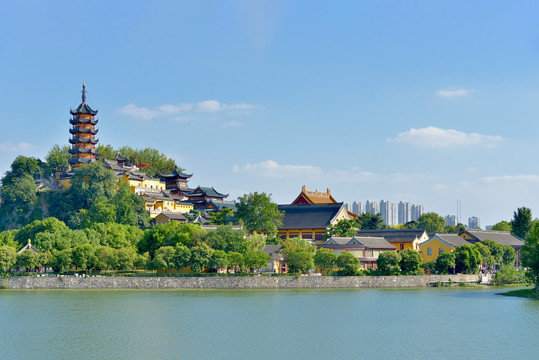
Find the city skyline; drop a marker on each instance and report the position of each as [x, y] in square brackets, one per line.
[432, 102]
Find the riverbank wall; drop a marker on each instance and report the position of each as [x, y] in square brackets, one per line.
[248, 282]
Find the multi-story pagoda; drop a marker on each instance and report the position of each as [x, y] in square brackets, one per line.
[176, 182]
[83, 133]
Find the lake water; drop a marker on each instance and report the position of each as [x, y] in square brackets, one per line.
[437, 323]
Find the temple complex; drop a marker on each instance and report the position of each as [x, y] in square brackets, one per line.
[83, 133]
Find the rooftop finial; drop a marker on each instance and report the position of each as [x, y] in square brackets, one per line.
[83, 93]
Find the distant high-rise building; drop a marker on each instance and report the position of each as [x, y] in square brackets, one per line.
[372, 207]
[405, 212]
[358, 208]
[474, 222]
[388, 210]
[417, 211]
[451, 220]
[347, 206]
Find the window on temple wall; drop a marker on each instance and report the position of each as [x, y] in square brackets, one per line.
[429, 251]
[440, 251]
[402, 246]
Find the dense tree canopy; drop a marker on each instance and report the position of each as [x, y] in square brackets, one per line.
[431, 222]
[342, 228]
[467, 259]
[530, 254]
[522, 222]
[259, 213]
[368, 221]
[388, 262]
[410, 261]
[502, 226]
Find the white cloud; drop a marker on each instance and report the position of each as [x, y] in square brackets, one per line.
[20, 147]
[455, 93]
[214, 105]
[442, 138]
[172, 111]
[270, 168]
[511, 178]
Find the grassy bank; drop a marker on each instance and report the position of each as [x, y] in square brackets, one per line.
[522, 293]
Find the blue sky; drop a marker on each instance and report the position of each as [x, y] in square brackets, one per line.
[423, 101]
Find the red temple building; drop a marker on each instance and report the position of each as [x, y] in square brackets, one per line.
[83, 133]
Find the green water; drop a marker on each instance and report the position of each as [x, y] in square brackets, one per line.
[267, 324]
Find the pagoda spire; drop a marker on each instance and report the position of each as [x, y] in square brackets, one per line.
[84, 93]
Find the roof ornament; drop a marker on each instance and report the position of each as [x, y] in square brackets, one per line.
[84, 93]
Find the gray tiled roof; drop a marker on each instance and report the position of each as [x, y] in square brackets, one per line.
[453, 239]
[209, 191]
[310, 216]
[174, 215]
[408, 235]
[375, 242]
[500, 237]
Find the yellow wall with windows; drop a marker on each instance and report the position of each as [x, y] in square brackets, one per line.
[406, 245]
[436, 247]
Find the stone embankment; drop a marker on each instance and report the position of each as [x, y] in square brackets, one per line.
[249, 282]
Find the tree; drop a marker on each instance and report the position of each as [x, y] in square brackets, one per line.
[467, 259]
[129, 208]
[84, 256]
[125, 258]
[388, 263]
[200, 257]
[502, 226]
[410, 261]
[530, 255]
[486, 255]
[368, 221]
[170, 234]
[299, 254]
[255, 242]
[235, 260]
[182, 257]
[496, 251]
[7, 238]
[444, 263]
[62, 260]
[27, 259]
[117, 235]
[431, 222]
[256, 259]
[348, 262]
[91, 183]
[106, 258]
[164, 258]
[345, 228]
[21, 166]
[30, 231]
[219, 260]
[222, 217]
[225, 238]
[325, 258]
[509, 255]
[522, 222]
[259, 213]
[21, 190]
[57, 156]
[8, 257]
